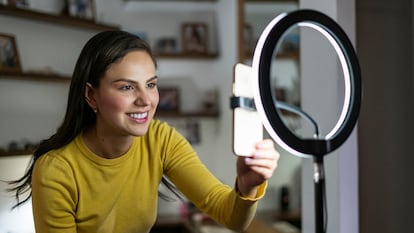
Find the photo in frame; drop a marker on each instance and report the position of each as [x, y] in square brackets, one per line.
[195, 37]
[9, 56]
[169, 99]
[83, 9]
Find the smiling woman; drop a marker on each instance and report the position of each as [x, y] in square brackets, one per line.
[124, 102]
[110, 141]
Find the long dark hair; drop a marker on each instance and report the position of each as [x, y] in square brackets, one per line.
[97, 55]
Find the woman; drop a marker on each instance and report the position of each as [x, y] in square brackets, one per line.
[101, 171]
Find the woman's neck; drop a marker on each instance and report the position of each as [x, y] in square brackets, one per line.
[106, 146]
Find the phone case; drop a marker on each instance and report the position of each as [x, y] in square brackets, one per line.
[247, 125]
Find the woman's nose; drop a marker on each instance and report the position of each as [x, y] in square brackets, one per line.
[143, 98]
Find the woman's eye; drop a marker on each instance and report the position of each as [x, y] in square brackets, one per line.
[127, 87]
[151, 85]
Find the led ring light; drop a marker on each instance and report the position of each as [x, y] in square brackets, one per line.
[264, 101]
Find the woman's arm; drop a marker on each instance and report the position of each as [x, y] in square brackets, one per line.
[52, 199]
[233, 207]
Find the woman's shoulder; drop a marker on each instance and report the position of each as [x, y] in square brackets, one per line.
[162, 132]
[62, 155]
[160, 128]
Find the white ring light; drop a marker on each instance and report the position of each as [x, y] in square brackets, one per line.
[263, 56]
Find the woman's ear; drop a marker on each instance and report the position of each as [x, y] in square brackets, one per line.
[90, 96]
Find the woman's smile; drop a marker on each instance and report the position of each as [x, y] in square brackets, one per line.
[139, 117]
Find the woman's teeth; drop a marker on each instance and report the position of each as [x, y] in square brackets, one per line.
[138, 115]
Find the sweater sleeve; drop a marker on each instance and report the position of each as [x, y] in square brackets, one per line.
[204, 190]
[53, 196]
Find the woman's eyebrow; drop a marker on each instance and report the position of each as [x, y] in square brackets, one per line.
[124, 80]
[153, 78]
[132, 81]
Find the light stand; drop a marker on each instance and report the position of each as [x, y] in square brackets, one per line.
[318, 169]
[317, 147]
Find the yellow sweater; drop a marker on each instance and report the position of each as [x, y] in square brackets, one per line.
[75, 190]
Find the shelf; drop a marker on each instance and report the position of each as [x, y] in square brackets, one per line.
[170, 1]
[170, 6]
[54, 19]
[35, 77]
[15, 153]
[187, 55]
[271, 1]
[207, 114]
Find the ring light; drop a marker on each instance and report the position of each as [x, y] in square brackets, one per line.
[264, 101]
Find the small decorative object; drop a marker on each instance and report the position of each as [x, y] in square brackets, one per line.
[16, 3]
[9, 57]
[290, 43]
[166, 46]
[195, 37]
[193, 132]
[169, 99]
[83, 9]
[280, 94]
[210, 100]
[284, 199]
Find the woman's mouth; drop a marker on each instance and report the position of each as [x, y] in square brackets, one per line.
[139, 116]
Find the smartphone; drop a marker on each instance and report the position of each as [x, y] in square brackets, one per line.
[247, 125]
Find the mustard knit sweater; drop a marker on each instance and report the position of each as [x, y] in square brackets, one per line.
[74, 190]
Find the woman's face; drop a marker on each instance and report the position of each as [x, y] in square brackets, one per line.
[127, 96]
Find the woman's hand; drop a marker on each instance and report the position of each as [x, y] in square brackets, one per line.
[254, 170]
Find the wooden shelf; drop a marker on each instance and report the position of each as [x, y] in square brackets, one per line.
[206, 114]
[35, 77]
[15, 153]
[187, 55]
[271, 1]
[54, 19]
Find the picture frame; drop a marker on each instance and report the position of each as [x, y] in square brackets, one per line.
[195, 38]
[9, 56]
[83, 9]
[169, 99]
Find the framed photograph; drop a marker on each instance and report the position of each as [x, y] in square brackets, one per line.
[195, 37]
[9, 57]
[169, 99]
[84, 9]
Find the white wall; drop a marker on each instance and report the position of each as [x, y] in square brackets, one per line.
[33, 110]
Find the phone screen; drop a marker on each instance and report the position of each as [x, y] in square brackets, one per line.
[247, 125]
